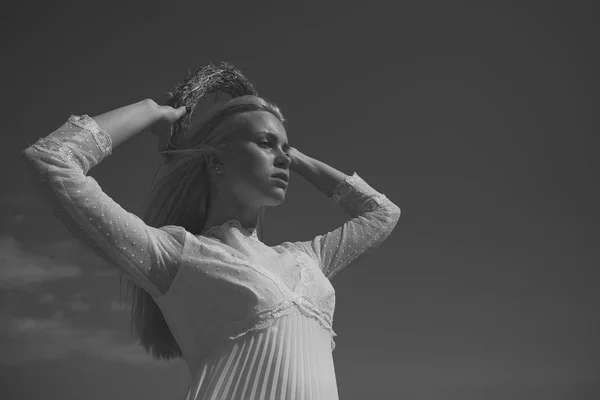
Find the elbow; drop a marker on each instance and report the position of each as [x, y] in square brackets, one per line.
[30, 156]
[392, 210]
[395, 215]
[396, 211]
[388, 211]
[26, 154]
[31, 163]
[27, 158]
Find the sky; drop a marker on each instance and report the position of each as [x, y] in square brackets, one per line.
[478, 121]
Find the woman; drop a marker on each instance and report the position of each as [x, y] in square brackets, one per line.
[251, 321]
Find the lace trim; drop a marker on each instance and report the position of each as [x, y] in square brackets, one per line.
[103, 140]
[372, 203]
[306, 275]
[228, 224]
[268, 318]
[65, 153]
[345, 187]
[309, 309]
[320, 316]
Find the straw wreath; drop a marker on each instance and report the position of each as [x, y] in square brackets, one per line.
[208, 79]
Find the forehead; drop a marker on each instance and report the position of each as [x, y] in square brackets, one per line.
[251, 123]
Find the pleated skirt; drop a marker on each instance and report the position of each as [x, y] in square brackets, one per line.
[290, 360]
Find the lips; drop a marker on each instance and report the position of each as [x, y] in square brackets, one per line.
[281, 175]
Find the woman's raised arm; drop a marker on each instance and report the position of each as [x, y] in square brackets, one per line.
[123, 123]
[374, 216]
[58, 165]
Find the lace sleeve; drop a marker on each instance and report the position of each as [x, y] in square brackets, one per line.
[374, 217]
[58, 165]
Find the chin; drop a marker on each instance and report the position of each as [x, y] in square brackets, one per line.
[276, 199]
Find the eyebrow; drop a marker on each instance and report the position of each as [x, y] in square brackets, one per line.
[274, 136]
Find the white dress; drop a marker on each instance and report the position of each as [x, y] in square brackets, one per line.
[252, 321]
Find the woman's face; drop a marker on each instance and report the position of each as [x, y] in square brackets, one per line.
[257, 150]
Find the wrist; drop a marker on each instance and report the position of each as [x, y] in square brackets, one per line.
[299, 161]
[150, 110]
[321, 175]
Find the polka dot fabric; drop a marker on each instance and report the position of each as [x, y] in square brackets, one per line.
[224, 294]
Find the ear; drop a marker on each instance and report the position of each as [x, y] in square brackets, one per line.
[214, 162]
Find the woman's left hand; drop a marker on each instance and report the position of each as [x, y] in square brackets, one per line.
[166, 117]
[295, 156]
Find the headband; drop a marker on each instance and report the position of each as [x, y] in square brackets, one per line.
[208, 79]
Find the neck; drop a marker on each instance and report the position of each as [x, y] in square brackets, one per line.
[222, 211]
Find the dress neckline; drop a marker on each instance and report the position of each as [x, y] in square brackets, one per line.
[228, 224]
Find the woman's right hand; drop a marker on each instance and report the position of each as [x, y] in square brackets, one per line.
[162, 128]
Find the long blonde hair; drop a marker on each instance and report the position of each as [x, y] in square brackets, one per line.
[181, 197]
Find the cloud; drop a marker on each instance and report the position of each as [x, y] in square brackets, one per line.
[27, 339]
[78, 305]
[36, 339]
[18, 206]
[19, 268]
[47, 298]
[117, 306]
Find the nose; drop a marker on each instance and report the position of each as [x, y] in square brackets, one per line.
[283, 160]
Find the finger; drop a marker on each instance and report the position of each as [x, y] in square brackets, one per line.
[181, 111]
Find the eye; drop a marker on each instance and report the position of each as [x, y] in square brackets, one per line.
[268, 144]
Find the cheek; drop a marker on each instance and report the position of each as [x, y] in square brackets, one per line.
[252, 164]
